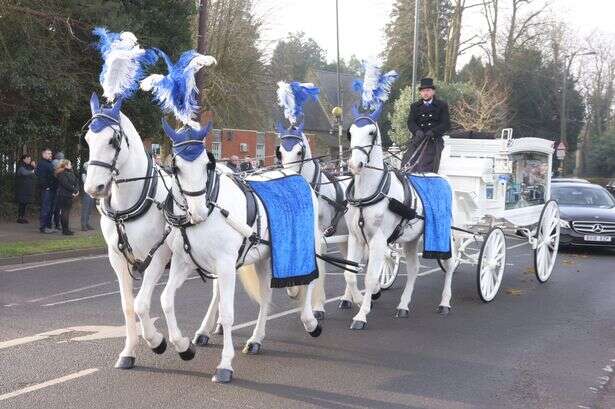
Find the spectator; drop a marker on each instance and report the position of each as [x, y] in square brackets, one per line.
[24, 186]
[68, 189]
[87, 203]
[47, 184]
[55, 215]
[246, 165]
[233, 164]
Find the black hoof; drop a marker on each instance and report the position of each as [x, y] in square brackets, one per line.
[358, 325]
[222, 375]
[125, 362]
[159, 350]
[252, 348]
[200, 340]
[219, 330]
[345, 305]
[401, 313]
[377, 295]
[189, 353]
[319, 315]
[317, 331]
[444, 311]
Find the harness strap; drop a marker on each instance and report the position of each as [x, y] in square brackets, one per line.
[252, 215]
[203, 273]
[381, 191]
[408, 202]
[339, 205]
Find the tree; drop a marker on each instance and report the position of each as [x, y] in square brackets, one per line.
[293, 57]
[238, 88]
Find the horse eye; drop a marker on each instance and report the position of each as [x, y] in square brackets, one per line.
[372, 133]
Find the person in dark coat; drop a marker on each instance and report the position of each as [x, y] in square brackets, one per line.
[25, 180]
[68, 189]
[246, 165]
[428, 122]
[47, 184]
[87, 202]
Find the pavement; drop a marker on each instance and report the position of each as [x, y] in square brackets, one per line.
[534, 346]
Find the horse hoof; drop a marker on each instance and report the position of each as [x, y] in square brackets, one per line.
[377, 295]
[317, 331]
[344, 305]
[444, 311]
[358, 325]
[200, 340]
[401, 313]
[219, 330]
[189, 353]
[319, 315]
[159, 350]
[125, 362]
[222, 375]
[252, 348]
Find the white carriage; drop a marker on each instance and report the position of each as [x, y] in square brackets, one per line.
[501, 188]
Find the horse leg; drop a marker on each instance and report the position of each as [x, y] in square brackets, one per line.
[351, 293]
[127, 357]
[155, 340]
[263, 272]
[310, 323]
[202, 335]
[449, 265]
[319, 297]
[412, 268]
[177, 275]
[377, 248]
[225, 270]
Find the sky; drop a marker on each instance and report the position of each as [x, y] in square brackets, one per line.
[362, 22]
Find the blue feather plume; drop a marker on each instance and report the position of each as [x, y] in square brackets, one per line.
[292, 97]
[177, 92]
[375, 87]
[125, 63]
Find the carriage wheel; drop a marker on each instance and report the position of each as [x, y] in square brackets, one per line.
[547, 241]
[390, 267]
[491, 263]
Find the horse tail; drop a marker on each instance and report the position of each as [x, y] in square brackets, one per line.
[250, 281]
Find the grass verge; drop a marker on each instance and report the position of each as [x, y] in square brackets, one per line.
[22, 248]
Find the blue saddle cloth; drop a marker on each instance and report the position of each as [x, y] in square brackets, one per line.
[436, 196]
[290, 215]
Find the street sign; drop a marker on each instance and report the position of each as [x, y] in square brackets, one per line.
[560, 152]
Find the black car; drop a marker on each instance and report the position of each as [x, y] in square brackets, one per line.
[587, 214]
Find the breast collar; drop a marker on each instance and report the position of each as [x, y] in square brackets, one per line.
[380, 193]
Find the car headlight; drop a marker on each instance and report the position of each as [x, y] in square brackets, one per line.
[564, 224]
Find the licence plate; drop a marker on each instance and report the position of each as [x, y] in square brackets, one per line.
[597, 238]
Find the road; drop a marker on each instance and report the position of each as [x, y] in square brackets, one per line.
[535, 346]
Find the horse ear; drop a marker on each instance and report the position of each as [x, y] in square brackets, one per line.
[279, 128]
[355, 111]
[94, 103]
[203, 132]
[117, 106]
[169, 131]
[375, 116]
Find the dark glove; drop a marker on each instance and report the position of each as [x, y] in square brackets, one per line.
[429, 134]
[419, 134]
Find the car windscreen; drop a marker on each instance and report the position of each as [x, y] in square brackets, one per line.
[586, 196]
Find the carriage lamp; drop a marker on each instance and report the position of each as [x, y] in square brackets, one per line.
[337, 112]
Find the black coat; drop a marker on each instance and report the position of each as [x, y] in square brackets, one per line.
[25, 181]
[428, 123]
[68, 185]
[44, 172]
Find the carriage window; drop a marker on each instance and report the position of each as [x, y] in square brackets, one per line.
[527, 185]
[215, 149]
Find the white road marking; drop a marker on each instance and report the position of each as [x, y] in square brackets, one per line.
[89, 297]
[46, 384]
[53, 263]
[70, 291]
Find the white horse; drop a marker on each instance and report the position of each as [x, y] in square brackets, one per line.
[131, 223]
[295, 154]
[371, 222]
[215, 243]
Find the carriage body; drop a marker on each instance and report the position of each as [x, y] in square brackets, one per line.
[501, 189]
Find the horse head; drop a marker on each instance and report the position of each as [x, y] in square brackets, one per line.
[190, 163]
[108, 137]
[294, 147]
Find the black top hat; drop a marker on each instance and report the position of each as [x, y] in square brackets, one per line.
[426, 83]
